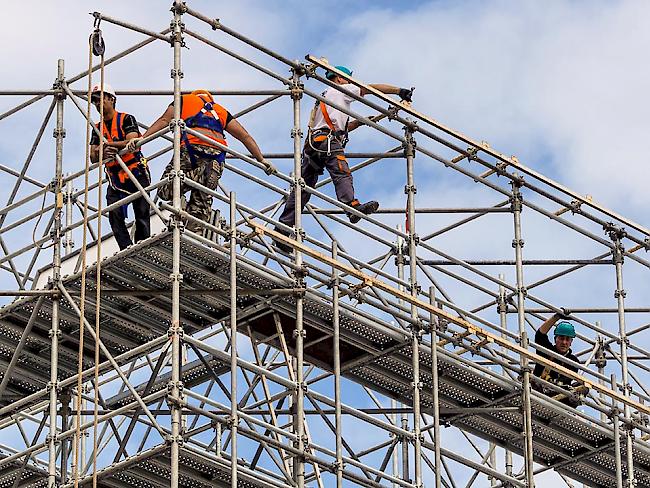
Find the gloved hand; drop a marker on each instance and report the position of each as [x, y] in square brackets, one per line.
[110, 152]
[565, 313]
[131, 145]
[269, 169]
[406, 94]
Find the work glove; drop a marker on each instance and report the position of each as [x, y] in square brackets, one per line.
[269, 169]
[406, 94]
[131, 145]
[565, 313]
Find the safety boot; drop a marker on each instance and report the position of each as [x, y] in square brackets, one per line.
[365, 208]
[281, 246]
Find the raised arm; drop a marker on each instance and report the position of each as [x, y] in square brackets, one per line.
[549, 323]
[162, 122]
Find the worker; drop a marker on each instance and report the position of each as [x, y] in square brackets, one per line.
[325, 148]
[564, 334]
[118, 128]
[201, 161]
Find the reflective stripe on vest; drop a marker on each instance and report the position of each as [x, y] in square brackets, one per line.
[204, 116]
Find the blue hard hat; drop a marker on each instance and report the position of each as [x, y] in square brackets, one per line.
[565, 329]
[330, 75]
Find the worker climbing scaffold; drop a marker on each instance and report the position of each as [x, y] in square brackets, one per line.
[325, 147]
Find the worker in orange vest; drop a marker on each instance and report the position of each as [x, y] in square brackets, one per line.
[325, 148]
[118, 128]
[202, 161]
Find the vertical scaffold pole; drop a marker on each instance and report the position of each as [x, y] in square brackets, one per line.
[617, 436]
[68, 242]
[435, 383]
[176, 329]
[337, 368]
[234, 417]
[503, 321]
[616, 235]
[518, 244]
[299, 332]
[59, 134]
[416, 329]
[404, 417]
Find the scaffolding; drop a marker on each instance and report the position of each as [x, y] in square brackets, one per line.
[369, 357]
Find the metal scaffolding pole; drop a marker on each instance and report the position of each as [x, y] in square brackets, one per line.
[617, 253]
[299, 332]
[518, 244]
[502, 307]
[234, 416]
[416, 329]
[59, 133]
[176, 327]
[435, 385]
[337, 368]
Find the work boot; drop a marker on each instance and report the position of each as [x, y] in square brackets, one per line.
[365, 208]
[281, 246]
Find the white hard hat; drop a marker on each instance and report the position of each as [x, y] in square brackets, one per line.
[108, 89]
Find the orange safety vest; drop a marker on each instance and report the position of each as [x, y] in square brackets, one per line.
[202, 114]
[115, 134]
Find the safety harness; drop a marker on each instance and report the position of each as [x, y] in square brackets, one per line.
[321, 134]
[132, 160]
[207, 122]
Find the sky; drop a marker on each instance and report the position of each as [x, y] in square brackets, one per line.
[560, 84]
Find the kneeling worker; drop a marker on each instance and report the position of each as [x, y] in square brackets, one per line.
[202, 161]
[564, 334]
[118, 128]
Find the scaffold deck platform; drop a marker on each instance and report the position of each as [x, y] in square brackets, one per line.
[374, 353]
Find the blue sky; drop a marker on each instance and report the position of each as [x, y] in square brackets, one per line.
[562, 85]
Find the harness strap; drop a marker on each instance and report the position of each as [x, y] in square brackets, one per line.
[328, 121]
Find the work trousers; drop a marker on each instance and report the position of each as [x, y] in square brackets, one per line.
[117, 217]
[320, 153]
[206, 171]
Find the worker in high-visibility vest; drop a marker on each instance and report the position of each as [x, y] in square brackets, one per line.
[118, 128]
[201, 160]
[325, 147]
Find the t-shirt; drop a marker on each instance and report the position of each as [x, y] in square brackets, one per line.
[129, 124]
[338, 118]
[548, 374]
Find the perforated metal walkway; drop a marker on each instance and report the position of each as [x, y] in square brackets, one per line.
[574, 446]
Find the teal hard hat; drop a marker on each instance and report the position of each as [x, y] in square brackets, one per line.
[565, 329]
[330, 75]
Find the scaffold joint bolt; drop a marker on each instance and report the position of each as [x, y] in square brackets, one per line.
[620, 294]
[410, 189]
[56, 133]
[175, 73]
[300, 333]
[296, 133]
[517, 243]
[296, 90]
[176, 277]
[171, 439]
[51, 333]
